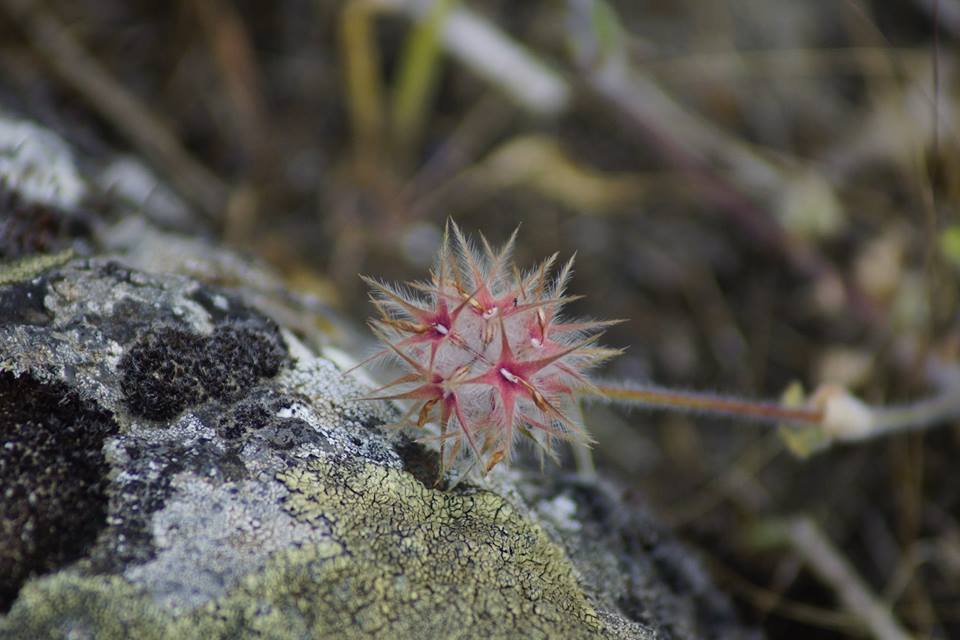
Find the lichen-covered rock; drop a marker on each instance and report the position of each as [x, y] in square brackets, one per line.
[178, 459]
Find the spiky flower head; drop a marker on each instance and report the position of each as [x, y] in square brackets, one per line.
[487, 353]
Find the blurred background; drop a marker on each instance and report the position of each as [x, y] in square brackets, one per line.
[766, 189]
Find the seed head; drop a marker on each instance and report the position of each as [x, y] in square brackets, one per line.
[486, 351]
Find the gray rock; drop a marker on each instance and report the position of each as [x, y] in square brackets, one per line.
[179, 459]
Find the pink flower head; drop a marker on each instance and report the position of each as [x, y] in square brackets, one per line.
[487, 352]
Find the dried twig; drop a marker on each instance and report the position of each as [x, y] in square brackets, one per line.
[806, 538]
[229, 42]
[85, 75]
[945, 12]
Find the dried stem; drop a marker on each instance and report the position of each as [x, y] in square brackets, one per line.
[807, 539]
[141, 126]
[918, 415]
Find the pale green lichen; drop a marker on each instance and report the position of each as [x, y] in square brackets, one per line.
[402, 561]
[31, 266]
[67, 605]
[425, 563]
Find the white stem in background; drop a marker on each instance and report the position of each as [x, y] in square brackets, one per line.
[491, 54]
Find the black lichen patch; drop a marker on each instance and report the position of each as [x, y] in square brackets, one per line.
[29, 228]
[422, 463]
[160, 373]
[22, 303]
[52, 479]
[169, 369]
[124, 325]
[116, 271]
[223, 307]
[258, 417]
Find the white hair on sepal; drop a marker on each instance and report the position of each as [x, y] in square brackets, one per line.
[485, 354]
[396, 301]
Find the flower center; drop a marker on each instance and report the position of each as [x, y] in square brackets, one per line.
[509, 376]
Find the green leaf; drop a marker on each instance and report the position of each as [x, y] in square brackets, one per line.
[801, 441]
[950, 245]
[607, 30]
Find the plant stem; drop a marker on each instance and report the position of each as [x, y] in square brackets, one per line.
[696, 401]
[839, 415]
[917, 415]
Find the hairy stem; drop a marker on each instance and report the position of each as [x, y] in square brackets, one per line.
[839, 415]
[696, 401]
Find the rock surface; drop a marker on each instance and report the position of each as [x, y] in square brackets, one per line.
[178, 459]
